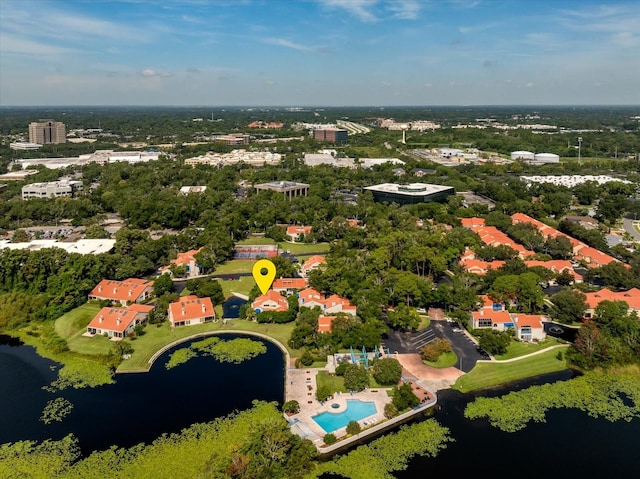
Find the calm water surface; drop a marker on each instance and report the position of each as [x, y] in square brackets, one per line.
[138, 407]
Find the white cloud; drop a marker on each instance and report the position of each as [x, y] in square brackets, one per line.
[15, 45]
[287, 43]
[360, 9]
[405, 9]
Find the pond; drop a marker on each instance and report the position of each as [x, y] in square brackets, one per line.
[138, 407]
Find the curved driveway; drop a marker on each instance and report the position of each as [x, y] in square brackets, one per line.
[627, 224]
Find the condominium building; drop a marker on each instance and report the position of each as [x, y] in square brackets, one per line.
[46, 132]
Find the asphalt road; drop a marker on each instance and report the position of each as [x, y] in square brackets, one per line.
[410, 343]
[627, 224]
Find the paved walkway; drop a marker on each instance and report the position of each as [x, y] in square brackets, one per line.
[434, 378]
[518, 358]
[627, 224]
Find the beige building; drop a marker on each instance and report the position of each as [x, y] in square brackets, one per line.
[45, 132]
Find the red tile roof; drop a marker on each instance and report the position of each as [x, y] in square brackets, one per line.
[271, 301]
[289, 283]
[313, 262]
[325, 324]
[298, 230]
[334, 303]
[631, 297]
[129, 290]
[496, 317]
[531, 320]
[191, 307]
[184, 258]
[581, 252]
[118, 319]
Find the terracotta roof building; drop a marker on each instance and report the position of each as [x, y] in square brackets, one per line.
[270, 301]
[188, 260]
[190, 310]
[310, 298]
[289, 285]
[631, 297]
[325, 324]
[311, 264]
[117, 323]
[132, 290]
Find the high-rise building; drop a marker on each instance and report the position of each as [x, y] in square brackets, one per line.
[331, 135]
[46, 132]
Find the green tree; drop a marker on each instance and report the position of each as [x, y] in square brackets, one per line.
[163, 284]
[404, 397]
[353, 428]
[495, 342]
[356, 378]
[386, 371]
[404, 317]
[569, 305]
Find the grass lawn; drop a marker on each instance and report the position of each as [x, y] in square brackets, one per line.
[424, 322]
[242, 285]
[76, 320]
[156, 337]
[235, 266]
[445, 360]
[332, 382]
[486, 375]
[303, 249]
[517, 348]
[255, 240]
[72, 325]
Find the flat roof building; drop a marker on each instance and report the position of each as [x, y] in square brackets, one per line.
[290, 189]
[51, 189]
[411, 193]
[47, 132]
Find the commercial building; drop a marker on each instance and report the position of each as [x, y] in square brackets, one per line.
[331, 135]
[47, 132]
[51, 189]
[411, 193]
[290, 189]
[24, 146]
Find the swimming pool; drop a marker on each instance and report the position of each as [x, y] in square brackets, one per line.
[356, 410]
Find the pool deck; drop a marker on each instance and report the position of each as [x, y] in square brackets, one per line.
[301, 386]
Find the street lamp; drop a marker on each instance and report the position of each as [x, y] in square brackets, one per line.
[580, 150]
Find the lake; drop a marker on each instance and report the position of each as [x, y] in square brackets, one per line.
[138, 407]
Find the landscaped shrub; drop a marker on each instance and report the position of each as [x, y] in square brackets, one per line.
[330, 439]
[353, 428]
[306, 359]
[432, 351]
[291, 407]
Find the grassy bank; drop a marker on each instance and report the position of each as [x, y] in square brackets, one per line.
[486, 375]
[158, 336]
[517, 348]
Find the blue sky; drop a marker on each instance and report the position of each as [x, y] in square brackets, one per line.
[319, 52]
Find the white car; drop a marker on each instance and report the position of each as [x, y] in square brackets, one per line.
[456, 330]
[421, 310]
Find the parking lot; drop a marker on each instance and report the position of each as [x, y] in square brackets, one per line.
[461, 342]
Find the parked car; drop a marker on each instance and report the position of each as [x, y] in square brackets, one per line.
[456, 330]
[421, 310]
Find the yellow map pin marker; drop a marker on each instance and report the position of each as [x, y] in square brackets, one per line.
[264, 280]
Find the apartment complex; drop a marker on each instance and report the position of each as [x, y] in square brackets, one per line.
[47, 132]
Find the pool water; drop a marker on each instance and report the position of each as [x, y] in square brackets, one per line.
[356, 410]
